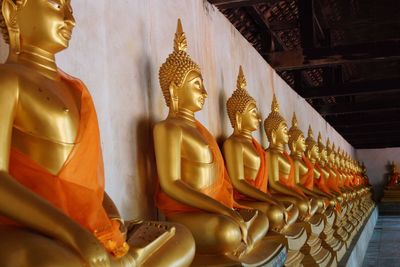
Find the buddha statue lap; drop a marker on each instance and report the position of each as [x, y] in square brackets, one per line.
[247, 167]
[194, 187]
[304, 178]
[51, 168]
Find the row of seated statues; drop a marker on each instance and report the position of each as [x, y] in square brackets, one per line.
[239, 205]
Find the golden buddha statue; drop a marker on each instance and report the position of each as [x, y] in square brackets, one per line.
[246, 162]
[55, 211]
[313, 155]
[335, 245]
[332, 187]
[304, 179]
[280, 165]
[194, 186]
[391, 192]
[304, 170]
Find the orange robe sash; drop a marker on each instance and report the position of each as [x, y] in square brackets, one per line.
[290, 181]
[307, 179]
[321, 182]
[332, 183]
[78, 189]
[221, 190]
[261, 180]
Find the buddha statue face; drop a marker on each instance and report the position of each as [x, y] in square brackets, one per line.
[323, 155]
[192, 94]
[46, 24]
[301, 144]
[314, 152]
[281, 134]
[250, 118]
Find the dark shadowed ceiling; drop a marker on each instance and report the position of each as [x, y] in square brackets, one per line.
[342, 56]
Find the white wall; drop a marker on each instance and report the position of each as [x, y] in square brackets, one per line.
[377, 161]
[117, 49]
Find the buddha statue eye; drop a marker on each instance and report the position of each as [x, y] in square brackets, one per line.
[55, 4]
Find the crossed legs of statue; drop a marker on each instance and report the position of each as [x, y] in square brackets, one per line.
[219, 234]
[22, 247]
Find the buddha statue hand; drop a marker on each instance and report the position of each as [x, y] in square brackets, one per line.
[87, 246]
[236, 217]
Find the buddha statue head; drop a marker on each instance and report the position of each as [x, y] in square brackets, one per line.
[323, 155]
[180, 78]
[330, 150]
[242, 108]
[297, 143]
[46, 25]
[275, 126]
[312, 151]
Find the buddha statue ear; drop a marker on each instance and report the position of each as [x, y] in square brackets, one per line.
[273, 137]
[10, 14]
[173, 92]
[238, 119]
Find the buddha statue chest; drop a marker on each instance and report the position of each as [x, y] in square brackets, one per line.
[197, 163]
[283, 165]
[251, 161]
[46, 119]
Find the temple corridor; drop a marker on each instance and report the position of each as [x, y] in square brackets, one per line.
[383, 248]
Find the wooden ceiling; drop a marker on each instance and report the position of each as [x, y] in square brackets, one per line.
[342, 56]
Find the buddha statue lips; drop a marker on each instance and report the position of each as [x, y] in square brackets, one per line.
[194, 187]
[51, 165]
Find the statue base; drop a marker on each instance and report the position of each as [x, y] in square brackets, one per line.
[356, 251]
[269, 252]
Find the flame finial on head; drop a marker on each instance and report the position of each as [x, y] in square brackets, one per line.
[180, 41]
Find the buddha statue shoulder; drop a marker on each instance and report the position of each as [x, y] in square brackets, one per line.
[194, 186]
[246, 160]
[280, 165]
[51, 170]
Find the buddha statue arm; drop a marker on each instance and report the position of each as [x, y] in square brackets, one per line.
[302, 169]
[109, 207]
[273, 172]
[27, 208]
[167, 141]
[233, 153]
[317, 176]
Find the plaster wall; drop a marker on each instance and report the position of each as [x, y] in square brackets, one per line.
[117, 49]
[377, 162]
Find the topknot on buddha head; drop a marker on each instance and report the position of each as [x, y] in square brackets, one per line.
[177, 66]
[239, 100]
[274, 119]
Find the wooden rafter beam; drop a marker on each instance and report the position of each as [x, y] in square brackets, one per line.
[359, 88]
[364, 119]
[324, 57]
[224, 4]
[339, 108]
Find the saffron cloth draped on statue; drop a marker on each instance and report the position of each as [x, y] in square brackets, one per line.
[221, 190]
[78, 189]
[261, 180]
